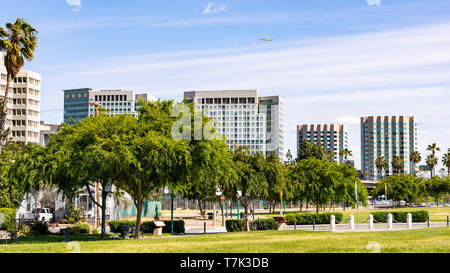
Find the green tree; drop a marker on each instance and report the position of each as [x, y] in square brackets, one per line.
[431, 162]
[18, 41]
[415, 158]
[275, 176]
[398, 164]
[381, 164]
[345, 153]
[398, 187]
[436, 186]
[310, 150]
[330, 155]
[446, 162]
[432, 159]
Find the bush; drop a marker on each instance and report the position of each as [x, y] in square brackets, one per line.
[305, 218]
[7, 219]
[178, 226]
[235, 225]
[80, 228]
[148, 226]
[39, 228]
[266, 224]
[400, 216]
[114, 225]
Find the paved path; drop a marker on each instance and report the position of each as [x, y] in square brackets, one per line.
[364, 227]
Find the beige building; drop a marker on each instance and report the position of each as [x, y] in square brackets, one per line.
[332, 136]
[23, 117]
[387, 136]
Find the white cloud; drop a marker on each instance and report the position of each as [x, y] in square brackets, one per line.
[213, 8]
[348, 120]
[74, 3]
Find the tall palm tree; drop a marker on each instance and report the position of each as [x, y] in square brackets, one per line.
[330, 155]
[18, 41]
[381, 164]
[431, 161]
[446, 162]
[345, 153]
[433, 148]
[415, 158]
[398, 163]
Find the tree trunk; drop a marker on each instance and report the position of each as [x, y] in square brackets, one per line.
[103, 211]
[138, 218]
[4, 112]
[301, 205]
[317, 207]
[307, 204]
[246, 216]
[200, 207]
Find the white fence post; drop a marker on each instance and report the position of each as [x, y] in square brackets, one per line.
[370, 221]
[409, 220]
[333, 223]
[352, 222]
[389, 221]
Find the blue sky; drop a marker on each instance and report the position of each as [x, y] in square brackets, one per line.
[331, 61]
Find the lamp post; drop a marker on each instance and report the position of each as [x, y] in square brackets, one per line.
[219, 193]
[172, 196]
[239, 194]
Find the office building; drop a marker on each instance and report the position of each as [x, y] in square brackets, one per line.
[23, 103]
[46, 131]
[272, 108]
[387, 136]
[240, 119]
[77, 102]
[332, 136]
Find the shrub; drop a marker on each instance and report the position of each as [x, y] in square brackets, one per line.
[235, 225]
[400, 216]
[114, 225]
[178, 226]
[266, 224]
[80, 228]
[39, 228]
[7, 219]
[95, 231]
[305, 218]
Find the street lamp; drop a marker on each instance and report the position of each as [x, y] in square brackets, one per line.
[172, 196]
[239, 194]
[219, 193]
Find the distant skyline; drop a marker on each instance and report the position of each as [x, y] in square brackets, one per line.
[331, 61]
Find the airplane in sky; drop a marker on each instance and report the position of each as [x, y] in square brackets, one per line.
[266, 40]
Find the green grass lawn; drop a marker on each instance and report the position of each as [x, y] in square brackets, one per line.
[425, 240]
[438, 214]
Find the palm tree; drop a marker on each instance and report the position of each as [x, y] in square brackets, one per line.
[398, 163]
[415, 158]
[446, 162]
[431, 161]
[381, 164]
[330, 155]
[345, 153]
[18, 42]
[433, 148]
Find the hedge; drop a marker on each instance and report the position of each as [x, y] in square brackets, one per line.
[80, 228]
[266, 224]
[8, 218]
[305, 218]
[235, 225]
[400, 216]
[147, 226]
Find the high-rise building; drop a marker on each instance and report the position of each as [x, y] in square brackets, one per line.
[23, 104]
[272, 107]
[117, 101]
[333, 137]
[240, 118]
[387, 136]
[77, 102]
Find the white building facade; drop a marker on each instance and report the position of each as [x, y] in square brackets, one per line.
[23, 102]
[238, 116]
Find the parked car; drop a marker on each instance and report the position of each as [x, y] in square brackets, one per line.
[25, 216]
[43, 215]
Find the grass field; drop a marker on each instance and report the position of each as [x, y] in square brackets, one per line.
[437, 214]
[417, 241]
